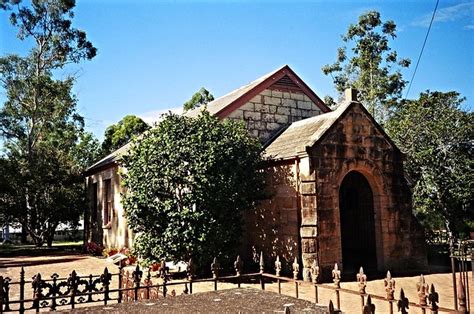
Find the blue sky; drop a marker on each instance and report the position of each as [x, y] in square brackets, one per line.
[154, 55]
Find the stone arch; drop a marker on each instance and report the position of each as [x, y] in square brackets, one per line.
[374, 177]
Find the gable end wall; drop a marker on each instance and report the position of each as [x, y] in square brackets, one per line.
[271, 110]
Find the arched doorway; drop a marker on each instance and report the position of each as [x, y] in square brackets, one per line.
[356, 206]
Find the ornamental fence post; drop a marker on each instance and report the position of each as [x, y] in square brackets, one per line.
[362, 283]
[389, 284]
[120, 279]
[296, 270]
[336, 275]
[22, 291]
[1, 294]
[238, 265]
[215, 267]
[137, 277]
[72, 283]
[433, 298]
[278, 272]
[314, 277]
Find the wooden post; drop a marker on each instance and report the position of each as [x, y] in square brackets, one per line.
[262, 267]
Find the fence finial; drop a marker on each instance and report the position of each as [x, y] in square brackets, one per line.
[369, 308]
[389, 284]
[238, 264]
[402, 303]
[433, 298]
[362, 279]
[422, 288]
[336, 276]
[331, 307]
[278, 266]
[215, 267]
[296, 268]
[136, 274]
[315, 271]
[262, 264]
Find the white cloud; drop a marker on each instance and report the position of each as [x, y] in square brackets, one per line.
[447, 14]
[153, 116]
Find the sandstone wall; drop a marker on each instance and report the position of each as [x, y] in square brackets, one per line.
[116, 233]
[271, 110]
[355, 144]
[272, 227]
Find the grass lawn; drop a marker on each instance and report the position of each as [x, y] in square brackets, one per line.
[59, 247]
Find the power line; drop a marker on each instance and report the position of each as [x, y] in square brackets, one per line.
[422, 48]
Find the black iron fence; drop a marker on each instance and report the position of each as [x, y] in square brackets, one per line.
[69, 292]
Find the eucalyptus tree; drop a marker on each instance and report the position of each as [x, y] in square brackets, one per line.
[367, 63]
[39, 121]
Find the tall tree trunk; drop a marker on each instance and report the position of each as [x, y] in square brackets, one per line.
[24, 234]
[50, 239]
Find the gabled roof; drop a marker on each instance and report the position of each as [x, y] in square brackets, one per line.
[306, 133]
[224, 105]
[110, 159]
[283, 77]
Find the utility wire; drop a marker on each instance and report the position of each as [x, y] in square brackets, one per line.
[422, 48]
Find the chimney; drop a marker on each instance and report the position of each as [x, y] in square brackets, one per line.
[351, 94]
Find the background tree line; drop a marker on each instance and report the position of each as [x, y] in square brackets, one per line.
[434, 131]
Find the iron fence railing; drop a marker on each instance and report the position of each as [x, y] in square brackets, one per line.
[133, 286]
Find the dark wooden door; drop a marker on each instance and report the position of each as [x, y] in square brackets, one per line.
[356, 205]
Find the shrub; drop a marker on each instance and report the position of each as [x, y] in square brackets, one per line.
[188, 181]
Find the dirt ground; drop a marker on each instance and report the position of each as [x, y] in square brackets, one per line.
[85, 265]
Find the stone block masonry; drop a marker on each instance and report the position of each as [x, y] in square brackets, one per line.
[272, 110]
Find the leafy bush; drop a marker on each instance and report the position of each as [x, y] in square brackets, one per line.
[188, 181]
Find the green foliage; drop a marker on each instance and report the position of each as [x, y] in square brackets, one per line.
[121, 133]
[437, 137]
[371, 66]
[45, 144]
[202, 97]
[188, 181]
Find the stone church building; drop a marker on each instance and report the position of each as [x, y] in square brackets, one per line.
[337, 190]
